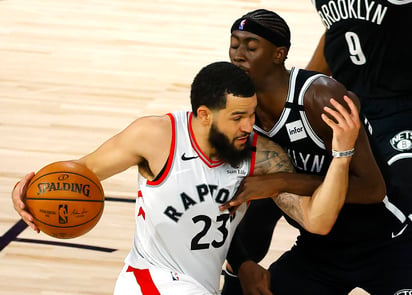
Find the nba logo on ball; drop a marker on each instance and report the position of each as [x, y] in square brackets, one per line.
[62, 214]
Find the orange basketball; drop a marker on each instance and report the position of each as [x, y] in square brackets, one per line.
[66, 199]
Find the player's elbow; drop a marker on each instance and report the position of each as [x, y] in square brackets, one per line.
[320, 230]
[320, 225]
[320, 220]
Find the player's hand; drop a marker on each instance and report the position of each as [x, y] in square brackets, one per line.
[252, 188]
[17, 197]
[254, 279]
[345, 125]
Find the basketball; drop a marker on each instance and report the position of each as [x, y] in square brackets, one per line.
[66, 199]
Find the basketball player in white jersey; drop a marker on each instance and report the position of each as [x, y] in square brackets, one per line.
[192, 162]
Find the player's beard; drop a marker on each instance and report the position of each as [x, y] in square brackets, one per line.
[226, 150]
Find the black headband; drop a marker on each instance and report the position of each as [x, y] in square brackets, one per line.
[248, 25]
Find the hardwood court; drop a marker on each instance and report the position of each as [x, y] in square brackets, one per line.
[74, 73]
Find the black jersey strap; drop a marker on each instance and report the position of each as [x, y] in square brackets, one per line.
[294, 105]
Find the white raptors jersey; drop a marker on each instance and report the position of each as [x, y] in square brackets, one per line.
[179, 226]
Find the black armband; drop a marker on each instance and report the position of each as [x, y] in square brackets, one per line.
[237, 253]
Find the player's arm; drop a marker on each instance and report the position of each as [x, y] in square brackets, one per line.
[142, 142]
[366, 184]
[317, 213]
[273, 173]
[318, 62]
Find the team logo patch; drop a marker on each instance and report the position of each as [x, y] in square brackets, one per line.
[404, 292]
[295, 130]
[402, 141]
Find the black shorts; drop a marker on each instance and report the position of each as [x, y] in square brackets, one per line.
[386, 269]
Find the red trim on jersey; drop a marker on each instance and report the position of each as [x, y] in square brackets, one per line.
[202, 156]
[144, 279]
[253, 156]
[139, 194]
[171, 153]
[141, 213]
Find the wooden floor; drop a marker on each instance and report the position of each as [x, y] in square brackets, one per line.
[74, 73]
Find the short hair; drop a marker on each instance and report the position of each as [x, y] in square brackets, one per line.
[215, 81]
[267, 24]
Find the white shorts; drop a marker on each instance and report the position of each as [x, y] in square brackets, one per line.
[155, 281]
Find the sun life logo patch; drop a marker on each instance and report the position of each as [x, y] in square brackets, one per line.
[402, 141]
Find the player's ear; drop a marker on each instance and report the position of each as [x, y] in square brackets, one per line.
[204, 114]
[280, 54]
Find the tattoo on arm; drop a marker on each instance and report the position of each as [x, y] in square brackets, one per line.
[290, 204]
[271, 158]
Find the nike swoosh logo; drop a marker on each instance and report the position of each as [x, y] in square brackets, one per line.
[400, 232]
[185, 158]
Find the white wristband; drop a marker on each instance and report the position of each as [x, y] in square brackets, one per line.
[342, 154]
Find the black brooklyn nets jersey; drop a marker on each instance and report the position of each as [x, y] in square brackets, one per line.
[370, 31]
[293, 131]
[309, 155]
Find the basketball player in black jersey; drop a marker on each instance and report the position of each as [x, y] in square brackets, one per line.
[359, 251]
[365, 49]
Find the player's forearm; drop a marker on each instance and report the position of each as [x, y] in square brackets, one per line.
[323, 208]
[366, 183]
[296, 183]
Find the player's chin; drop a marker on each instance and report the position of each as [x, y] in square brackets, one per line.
[240, 146]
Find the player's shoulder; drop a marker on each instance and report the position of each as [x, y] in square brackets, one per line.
[321, 91]
[157, 120]
[150, 126]
[154, 121]
[315, 83]
[264, 144]
[270, 157]
[327, 83]
[151, 136]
